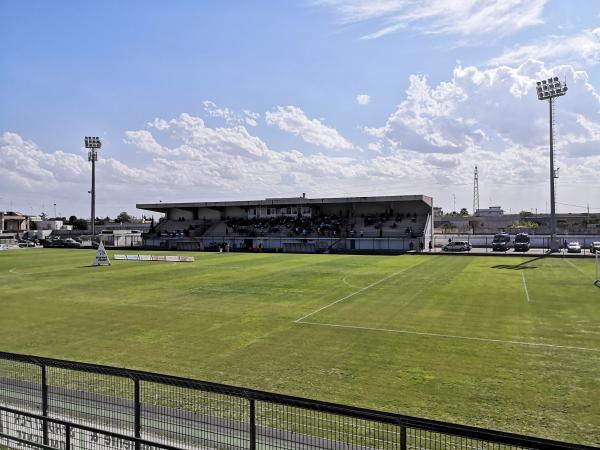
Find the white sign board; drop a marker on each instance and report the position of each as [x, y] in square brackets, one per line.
[101, 256]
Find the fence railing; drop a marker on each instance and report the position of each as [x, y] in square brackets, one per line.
[54, 404]
[483, 243]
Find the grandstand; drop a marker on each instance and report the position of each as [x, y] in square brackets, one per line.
[297, 224]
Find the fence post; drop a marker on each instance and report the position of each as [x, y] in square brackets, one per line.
[137, 425]
[403, 445]
[252, 424]
[67, 436]
[45, 403]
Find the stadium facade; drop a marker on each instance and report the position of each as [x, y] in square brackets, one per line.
[299, 224]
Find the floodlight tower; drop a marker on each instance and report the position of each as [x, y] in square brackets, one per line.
[549, 90]
[93, 144]
[476, 192]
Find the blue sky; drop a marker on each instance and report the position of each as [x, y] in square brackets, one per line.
[240, 100]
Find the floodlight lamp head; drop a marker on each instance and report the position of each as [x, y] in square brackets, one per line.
[92, 142]
[550, 88]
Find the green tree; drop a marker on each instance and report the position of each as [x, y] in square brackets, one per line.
[464, 212]
[123, 218]
[80, 224]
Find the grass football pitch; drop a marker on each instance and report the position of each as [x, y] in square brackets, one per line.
[504, 343]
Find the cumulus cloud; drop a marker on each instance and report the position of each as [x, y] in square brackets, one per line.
[492, 109]
[485, 116]
[468, 18]
[144, 141]
[24, 163]
[363, 99]
[293, 120]
[229, 116]
[579, 49]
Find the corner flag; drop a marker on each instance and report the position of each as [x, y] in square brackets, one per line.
[101, 256]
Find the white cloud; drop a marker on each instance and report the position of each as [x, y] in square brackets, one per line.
[145, 141]
[492, 118]
[159, 124]
[251, 118]
[467, 18]
[471, 110]
[229, 116]
[579, 49]
[293, 120]
[363, 99]
[429, 144]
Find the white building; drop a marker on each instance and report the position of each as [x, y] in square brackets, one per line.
[492, 211]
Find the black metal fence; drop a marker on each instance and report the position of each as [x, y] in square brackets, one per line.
[54, 404]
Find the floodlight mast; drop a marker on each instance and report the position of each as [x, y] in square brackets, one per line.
[93, 144]
[549, 90]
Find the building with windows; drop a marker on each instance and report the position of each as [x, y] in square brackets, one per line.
[13, 222]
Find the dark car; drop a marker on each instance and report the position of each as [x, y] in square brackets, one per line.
[595, 247]
[53, 242]
[71, 243]
[522, 242]
[501, 242]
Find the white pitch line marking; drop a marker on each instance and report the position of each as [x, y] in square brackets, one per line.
[525, 286]
[451, 336]
[574, 266]
[358, 292]
[348, 284]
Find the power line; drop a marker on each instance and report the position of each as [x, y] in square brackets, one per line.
[578, 206]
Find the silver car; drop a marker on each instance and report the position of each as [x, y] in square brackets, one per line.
[573, 247]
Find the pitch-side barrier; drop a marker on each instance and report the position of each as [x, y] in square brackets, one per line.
[54, 404]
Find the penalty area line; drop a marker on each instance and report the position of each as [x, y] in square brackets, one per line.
[357, 292]
[451, 336]
[525, 286]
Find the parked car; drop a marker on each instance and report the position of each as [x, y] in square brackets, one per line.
[522, 242]
[501, 242]
[573, 247]
[457, 246]
[595, 247]
[71, 243]
[53, 242]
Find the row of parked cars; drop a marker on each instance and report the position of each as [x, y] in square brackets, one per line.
[62, 243]
[522, 243]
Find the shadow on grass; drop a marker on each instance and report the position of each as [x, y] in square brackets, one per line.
[522, 266]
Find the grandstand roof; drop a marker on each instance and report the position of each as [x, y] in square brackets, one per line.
[162, 207]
